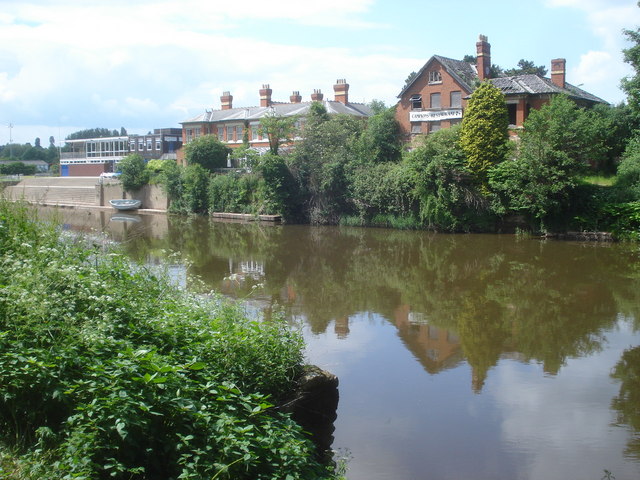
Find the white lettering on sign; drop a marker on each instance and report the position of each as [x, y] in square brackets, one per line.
[435, 115]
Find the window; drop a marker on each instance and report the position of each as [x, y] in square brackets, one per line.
[239, 129]
[435, 77]
[149, 144]
[254, 131]
[221, 133]
[435, 100]
[511, 110]
[198, 131]
[158, 144]
[230, 133]
[141, 142]
[132, 146]
[456, 99]
[416, 102]
[416, 128]
[435, 126]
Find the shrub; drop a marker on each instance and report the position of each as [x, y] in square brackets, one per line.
[234, 193]
[207, 151]
[108, 371]
[134, 174]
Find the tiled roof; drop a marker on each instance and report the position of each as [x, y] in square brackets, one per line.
[464, 73]
[282, 109]
[536, 85]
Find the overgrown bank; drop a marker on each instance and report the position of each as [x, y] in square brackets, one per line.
[108, 371]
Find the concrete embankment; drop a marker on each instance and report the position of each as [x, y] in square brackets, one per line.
[90, 192]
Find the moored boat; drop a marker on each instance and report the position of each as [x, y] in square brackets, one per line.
[125, 204]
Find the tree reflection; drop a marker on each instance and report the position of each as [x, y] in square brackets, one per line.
[484, 297]
[627, 403]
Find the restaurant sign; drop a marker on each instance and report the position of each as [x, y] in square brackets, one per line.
[435, 115]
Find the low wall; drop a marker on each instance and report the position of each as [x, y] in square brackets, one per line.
[152, 196]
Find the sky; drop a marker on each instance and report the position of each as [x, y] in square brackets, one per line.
[68, 65]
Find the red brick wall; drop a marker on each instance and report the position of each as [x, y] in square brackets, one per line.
[421, 86]
[87, 170]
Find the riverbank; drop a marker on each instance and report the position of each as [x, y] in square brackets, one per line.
[111, 371]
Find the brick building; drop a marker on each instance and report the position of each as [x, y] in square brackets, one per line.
[230, 124]
[437, 95]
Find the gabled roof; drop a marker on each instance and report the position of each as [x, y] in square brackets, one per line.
[466, 75]
[463, 73]
[537, 85]
[282, 109]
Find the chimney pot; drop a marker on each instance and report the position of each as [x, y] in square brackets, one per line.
[317, 95]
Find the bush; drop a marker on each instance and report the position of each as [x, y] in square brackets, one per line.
[108, 371]
[207, 151]
[234, 193]
[134, 174]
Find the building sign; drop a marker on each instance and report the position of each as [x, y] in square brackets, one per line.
[435, 115]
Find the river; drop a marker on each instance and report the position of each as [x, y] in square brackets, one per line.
[459, 356]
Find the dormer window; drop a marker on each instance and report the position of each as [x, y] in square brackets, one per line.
[416, 102]
[435, 77]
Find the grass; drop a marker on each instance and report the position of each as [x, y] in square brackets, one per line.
[601, 180]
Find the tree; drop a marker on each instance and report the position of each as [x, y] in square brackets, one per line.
[279, 129]
[37, 143]
[558, 142]
[134, 173]
[410, 78]
[381, 138]
[526, 67]
[631, 85]
[92, 133]
[207, 151]
[484, 133]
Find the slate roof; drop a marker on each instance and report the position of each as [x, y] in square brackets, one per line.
[282, 109]
[464, 73]
[467, 76]
[537, 85]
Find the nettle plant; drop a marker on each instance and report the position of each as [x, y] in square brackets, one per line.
[109, 371]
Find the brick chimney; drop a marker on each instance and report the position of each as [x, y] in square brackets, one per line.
[295, 97]
[265, 96]
[226, 100]
[317, 96]
[341, 89]
[483, 49]
[558, 70]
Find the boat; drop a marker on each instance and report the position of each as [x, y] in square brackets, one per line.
[125, 204]
[123, 217]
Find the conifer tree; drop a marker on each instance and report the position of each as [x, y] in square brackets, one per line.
[484, 134]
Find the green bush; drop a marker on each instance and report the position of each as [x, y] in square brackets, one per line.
[108, 371]
[134, 173]
[234, 193]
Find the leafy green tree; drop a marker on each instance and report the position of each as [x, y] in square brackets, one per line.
[280, 189]
[484, 134]
[526, 67]
[448, 195]
[195, 188]
[92, 133]
[278, 129]
[207, 151]
[134, 173]
[559, 141]
[382, 140]
[320, 162]
[631, 84]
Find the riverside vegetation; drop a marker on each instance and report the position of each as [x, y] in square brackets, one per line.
[110, 371]
[355, 172]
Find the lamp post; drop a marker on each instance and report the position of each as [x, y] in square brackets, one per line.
[10, 140]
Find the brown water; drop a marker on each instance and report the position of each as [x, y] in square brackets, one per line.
[459, 357]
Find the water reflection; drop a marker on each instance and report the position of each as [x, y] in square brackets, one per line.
[483, 303]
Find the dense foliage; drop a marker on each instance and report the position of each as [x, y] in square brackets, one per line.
[134, 172]
[484, 135]
[109, 371]
[207, 151]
